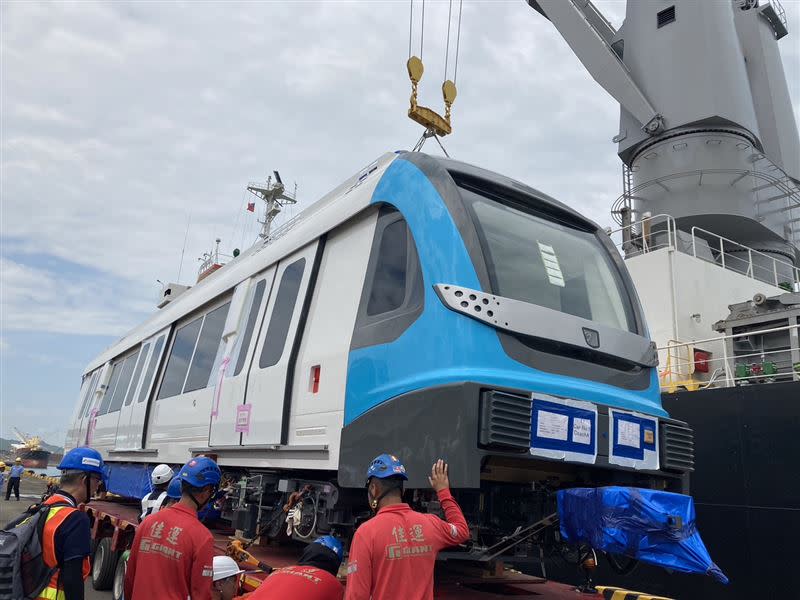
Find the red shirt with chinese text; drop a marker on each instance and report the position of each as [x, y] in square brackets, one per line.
[171, 557]
[308, 583]
[393, 554]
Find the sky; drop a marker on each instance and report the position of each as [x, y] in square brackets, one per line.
[129, 130]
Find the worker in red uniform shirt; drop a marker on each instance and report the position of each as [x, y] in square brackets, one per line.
[172, 553]
[393, 554]
[314, 577]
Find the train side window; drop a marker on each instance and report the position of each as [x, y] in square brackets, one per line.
[393, 296]
[244, 345]
[151, 369]
[282, 313]
[137, 373]
[206, 350]
[179, 357]
[389, 282]
[116, 368]
[124, 382]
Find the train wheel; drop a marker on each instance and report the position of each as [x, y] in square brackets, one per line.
[105, 560]
[119, 577]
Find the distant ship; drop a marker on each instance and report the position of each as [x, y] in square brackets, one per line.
[30, 451]
[34, 459]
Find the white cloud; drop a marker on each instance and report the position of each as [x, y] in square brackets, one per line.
[123, 119]
[47, 114]
[35, 299]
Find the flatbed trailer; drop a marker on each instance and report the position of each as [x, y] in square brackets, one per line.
[117, 521]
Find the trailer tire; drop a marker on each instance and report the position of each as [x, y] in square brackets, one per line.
[105, 561]
[118, 588]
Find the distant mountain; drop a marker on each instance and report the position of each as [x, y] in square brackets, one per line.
[7, 446]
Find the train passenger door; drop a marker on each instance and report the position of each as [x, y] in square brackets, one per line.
[263, 418]
[83, 398]
[230, 389]
[88, 417]
[132, 414]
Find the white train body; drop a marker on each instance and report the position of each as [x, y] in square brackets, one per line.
[425, 308]
[126, 426]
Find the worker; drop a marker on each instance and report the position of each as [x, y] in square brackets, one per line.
[173, 492]
[13, 479]
[160, 478]
[172, 552]
[66, 537]
[225, 584]
[393, 554]
[314, 577]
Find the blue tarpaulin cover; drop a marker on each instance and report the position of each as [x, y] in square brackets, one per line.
[652, 526]
[133, 481]
[129, 480]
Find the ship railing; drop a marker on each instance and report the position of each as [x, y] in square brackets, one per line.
[767, 178]
[728, 254]
[780, 13]
[210, 259]
[779, 9]
[660, 231]
[645, 235]
[284, 228]
[680, 366]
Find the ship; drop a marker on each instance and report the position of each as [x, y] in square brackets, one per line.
[30, 451]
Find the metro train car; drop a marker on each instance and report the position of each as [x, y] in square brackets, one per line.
[426, 308]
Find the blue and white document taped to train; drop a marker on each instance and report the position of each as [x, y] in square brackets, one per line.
[564, 429]
[652, 526]
[632, 440]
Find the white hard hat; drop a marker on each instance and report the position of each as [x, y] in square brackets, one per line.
[161, 474]
[224, 567]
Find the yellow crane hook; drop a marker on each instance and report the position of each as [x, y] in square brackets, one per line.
[427, 117]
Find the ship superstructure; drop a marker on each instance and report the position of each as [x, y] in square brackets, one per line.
[710, 209]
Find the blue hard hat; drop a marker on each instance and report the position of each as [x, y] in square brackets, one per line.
[331, 543]
[83, 459]
[200, 472]
[174, 488]
[385, 466]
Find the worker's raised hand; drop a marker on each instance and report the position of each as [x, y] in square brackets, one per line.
[439, 480]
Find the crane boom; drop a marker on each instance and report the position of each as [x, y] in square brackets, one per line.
[589, 35]
[20, 436]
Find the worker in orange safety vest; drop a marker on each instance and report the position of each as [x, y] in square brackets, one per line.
[66, 537]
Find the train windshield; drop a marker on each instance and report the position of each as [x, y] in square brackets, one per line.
[539, 260]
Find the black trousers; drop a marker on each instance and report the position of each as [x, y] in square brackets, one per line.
[13, 484]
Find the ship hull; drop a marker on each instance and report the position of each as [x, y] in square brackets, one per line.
[34, 459]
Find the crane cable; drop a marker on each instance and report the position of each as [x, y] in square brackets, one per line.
[458, 39]
[449, 28]
[411, 27]
[430, 132]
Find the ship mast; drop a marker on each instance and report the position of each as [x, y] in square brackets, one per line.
[275, 197]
